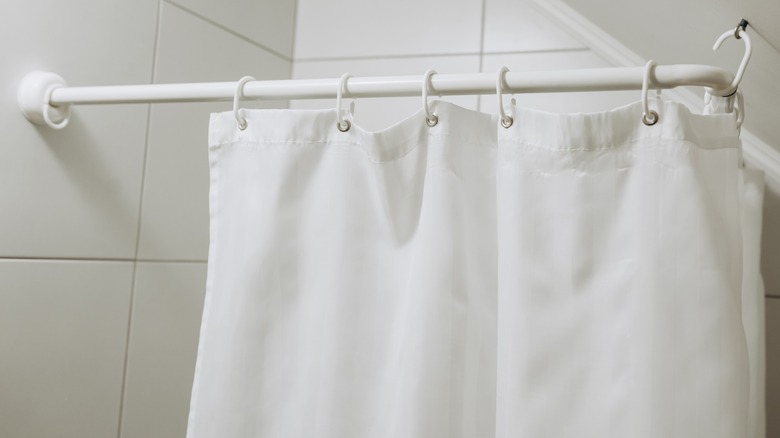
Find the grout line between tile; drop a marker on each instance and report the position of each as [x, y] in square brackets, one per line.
[391, 56]
[294, 34]
[443, 55]
[66, 259]
[481, 48]
[99, 260]
[229, 30]
[152, 78]
[292, 51]
[127, 352]
[195, 262]
[138, 228]
[758, 32]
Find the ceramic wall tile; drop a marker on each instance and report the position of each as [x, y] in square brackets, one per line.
[63, 331]
[518, 26]
[74, 192]
[174, 221]
[358, 28]
[270, 24]
[167, 307]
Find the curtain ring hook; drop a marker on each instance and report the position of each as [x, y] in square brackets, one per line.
[430, 118]
[342, 124]
[739, 33]
[242, 123]
[649, 117]
[506, 119]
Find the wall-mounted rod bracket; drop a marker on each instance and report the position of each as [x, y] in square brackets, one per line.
[34, 98]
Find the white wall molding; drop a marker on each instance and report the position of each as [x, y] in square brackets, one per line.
[757, 153]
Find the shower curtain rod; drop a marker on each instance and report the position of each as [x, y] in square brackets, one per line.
[42, 93]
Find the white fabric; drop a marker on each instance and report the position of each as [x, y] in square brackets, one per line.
[579, 275]
[752, 192]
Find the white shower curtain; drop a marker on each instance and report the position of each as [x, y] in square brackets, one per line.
[578, 275]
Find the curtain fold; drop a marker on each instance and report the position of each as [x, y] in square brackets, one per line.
[575, 275]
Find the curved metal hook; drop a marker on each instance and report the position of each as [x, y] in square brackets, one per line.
[745, 58]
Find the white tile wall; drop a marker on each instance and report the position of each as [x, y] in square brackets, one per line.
[174, 218]
[266, 23]
[360, 28]
[75, 192]
[63, 328]
[517, 26]
[167, 307]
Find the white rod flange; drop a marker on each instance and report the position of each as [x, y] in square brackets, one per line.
[34, 98]
[45, 97]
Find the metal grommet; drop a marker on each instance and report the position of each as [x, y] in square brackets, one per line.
[344, 125]
[432, 121]
[242, 124]
[653, 120]
[506, 123]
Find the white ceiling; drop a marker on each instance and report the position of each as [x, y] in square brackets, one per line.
[683, 32]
